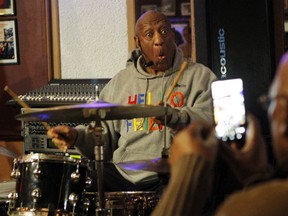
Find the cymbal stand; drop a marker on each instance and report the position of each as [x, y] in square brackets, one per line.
[165, 150]
[99, 158]
[164, 177]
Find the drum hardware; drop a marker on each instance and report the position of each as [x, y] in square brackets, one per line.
[88, 182]
[95, 112]
[99, 158]
[75, 176]
[36, 195]
[87, 205]
[15, 171]
[38, 174]
[12, 197]
[122, 203]
[73, 198]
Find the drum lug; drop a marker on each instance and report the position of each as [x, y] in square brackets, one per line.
[86, 204]
[36, 194]
[73, 198]
[88, 182]
[12, 197]
[37, 172]
[15, 172]
[75, 176]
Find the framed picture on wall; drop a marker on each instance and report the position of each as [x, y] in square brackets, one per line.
[168, 7]
[8, 42]
[185, 9]
[7, 7]
[145, 8]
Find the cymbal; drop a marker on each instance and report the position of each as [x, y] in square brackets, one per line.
[98, 110]
[159, 165]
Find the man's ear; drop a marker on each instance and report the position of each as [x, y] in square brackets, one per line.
[137, 42]
[283, 124]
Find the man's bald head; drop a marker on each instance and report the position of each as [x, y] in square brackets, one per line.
[150, 17]
[156, 40]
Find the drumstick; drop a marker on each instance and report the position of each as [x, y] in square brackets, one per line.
[22, 103]
[182, 68]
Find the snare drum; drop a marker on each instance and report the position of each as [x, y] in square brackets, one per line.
[48, 183]
[123, 203]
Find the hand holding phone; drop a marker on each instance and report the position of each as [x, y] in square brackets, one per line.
[229, 110]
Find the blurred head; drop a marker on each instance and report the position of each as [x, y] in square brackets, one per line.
[278, 110]
[156, 39]
[187, 34]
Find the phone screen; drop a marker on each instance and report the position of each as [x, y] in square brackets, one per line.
[229, 109]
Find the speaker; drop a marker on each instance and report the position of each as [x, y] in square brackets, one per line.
[235, 38]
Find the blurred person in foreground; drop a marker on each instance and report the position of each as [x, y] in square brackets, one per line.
[193, 154]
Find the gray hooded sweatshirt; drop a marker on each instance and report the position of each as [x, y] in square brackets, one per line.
[134, 139]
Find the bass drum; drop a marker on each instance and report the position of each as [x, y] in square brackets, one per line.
[122, 203]
[48, 184]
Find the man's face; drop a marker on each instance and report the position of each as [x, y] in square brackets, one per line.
[156, 40]
[278, 111]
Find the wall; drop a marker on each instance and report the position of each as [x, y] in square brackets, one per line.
[34, 67]
[93, 38]
[33, 71]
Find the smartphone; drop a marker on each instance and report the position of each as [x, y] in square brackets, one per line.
[229, 110]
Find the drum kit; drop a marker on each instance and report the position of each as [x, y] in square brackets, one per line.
[55, 184]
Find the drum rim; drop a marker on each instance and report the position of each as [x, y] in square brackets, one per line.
[4, 199]
[45, 157]
[122, 192]
[37, 210]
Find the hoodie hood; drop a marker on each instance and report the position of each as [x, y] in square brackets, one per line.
[142, 74]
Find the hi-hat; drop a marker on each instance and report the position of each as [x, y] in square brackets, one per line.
[159, 165]
[98, 110]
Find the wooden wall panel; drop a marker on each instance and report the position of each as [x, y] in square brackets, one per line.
[34, 69]
[6, 161]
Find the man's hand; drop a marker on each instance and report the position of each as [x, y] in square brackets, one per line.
[198, 138]
[161, 120]
[63, 136]
[252, 157]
